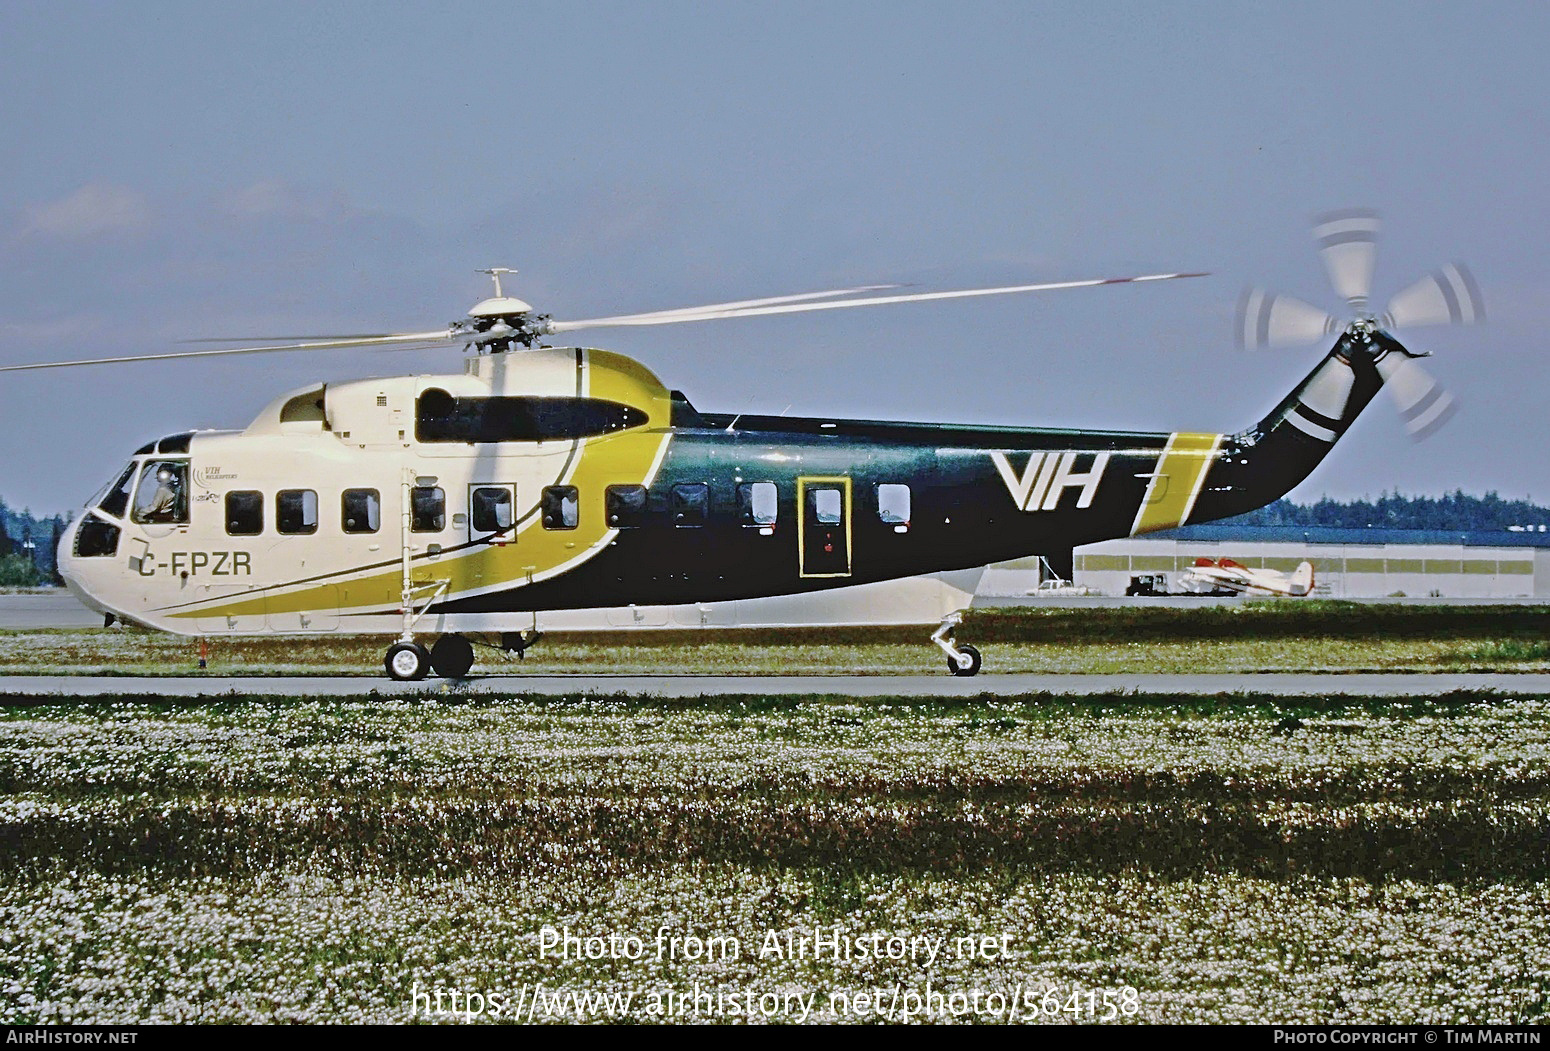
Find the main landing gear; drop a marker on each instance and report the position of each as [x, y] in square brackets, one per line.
[407, 662]
[961, 660]
[451, 657]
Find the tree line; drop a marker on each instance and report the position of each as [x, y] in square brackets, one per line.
[1452, 512]
[27, 548]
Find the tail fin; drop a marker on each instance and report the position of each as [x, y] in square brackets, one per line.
[1302, 579]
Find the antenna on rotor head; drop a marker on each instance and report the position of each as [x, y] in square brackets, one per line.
[495, 273]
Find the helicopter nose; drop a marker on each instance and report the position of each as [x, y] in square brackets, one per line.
[64, 554]
[69, 567]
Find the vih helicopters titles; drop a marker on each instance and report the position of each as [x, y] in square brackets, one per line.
[549, 478]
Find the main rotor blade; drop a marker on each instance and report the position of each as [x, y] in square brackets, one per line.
[679, 313]
[1423, 404]
[310, 337]
[712, 313]
[1348, 244]
[1448, 296]
[402, 341]
[1266, 319]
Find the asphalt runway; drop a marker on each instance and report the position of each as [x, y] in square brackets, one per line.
[45, 609]
[688, 686]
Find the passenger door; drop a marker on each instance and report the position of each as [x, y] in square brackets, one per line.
[824, 526]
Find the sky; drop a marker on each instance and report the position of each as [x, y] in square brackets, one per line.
[183, 171]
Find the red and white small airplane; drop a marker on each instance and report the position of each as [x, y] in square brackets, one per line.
[1226, 573]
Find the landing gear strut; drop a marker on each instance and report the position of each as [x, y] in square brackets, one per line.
[407, 660]
[961, 660]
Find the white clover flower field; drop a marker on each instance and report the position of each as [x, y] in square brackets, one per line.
[1041, 859]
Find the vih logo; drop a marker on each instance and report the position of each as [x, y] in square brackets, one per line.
[1046, 476]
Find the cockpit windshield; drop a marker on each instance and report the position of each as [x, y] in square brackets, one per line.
[162, 495]
[115, 497]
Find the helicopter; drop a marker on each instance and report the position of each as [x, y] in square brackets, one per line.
[549, 478]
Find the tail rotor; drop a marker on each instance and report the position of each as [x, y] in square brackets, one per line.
[1347, 242]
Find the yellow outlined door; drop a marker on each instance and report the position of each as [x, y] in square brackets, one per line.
[823, 526]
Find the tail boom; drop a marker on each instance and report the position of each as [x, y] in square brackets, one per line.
[1265, 462]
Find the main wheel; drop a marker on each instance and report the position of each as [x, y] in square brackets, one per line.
[407, 662]
[452, 656]
[971, 668]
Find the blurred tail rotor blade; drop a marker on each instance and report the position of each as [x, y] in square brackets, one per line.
[1448, 296]
[1423, 404]
[1348, 243]
[1269, 320]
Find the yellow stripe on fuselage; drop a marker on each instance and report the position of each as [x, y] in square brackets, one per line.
[1176, 481]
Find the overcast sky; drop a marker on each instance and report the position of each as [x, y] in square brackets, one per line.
[179, 171]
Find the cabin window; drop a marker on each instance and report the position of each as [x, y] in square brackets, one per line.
[116, 502]
[296, 511]
[441, 417]
[893, 505]
[96, 538]
[756, 504]
[162, 496]
[625, 506]
[828, 506]
[560, 510]
[244, 512]
[690, 504]
[492, 509]
[427, 509]
[361, 511]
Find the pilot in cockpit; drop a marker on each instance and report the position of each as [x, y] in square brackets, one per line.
[163, 505]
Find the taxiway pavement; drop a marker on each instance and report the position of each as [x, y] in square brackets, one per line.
[21, 687]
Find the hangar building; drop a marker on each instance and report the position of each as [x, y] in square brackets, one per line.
[1348, 563]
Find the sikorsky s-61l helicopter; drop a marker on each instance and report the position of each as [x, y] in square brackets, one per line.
[557, 478]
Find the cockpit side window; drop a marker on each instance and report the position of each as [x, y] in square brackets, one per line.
[162, 495]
